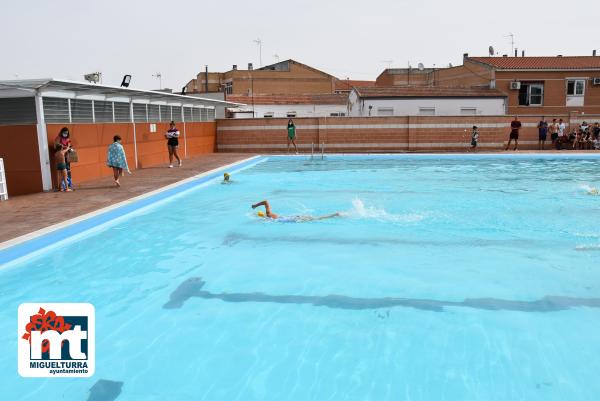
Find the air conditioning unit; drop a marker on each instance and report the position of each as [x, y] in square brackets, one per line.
[596, 81]
[515, 85]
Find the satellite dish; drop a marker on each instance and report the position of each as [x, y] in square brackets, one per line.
[491, 50]
[450, 65]
[421, 67]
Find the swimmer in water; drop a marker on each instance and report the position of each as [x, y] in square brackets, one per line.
[297, 219]
[593, 191]
[226, 179]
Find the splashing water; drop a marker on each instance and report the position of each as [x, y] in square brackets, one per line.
[360, 211]
[590, 190]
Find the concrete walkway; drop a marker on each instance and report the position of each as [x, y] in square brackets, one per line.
[27, 213]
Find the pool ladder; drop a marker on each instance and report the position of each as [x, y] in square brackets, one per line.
[312, 151]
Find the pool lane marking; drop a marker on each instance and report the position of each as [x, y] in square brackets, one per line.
[37, 240]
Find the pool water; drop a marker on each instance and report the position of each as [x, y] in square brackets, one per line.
[445, 278]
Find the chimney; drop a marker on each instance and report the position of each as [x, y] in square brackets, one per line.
[505, 55]
[522, 53]
[594, 53]
[234, 67]
[516, 52]
[465, 56]
[250, 68]
[206, 78]
[560, 55]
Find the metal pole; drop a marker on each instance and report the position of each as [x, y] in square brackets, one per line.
[42, 139]
[135, 152]
[312, 150]
[322, 150]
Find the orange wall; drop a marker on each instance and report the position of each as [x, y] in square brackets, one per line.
[92, 140]
[19, 149]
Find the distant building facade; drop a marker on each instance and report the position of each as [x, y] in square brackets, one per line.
[425, 101]
[285, 77]
[533, 85]
[288, 106]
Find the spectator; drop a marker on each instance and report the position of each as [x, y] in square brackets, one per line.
[474, 137]
[291, 136]
[116, 159]
[554, 131]
[515, 127]
[61, 168]
[64, 139]
[172, 136]
[562, 139]
[596, 131]
[542, 132]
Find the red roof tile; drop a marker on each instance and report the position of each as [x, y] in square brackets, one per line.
[308, 98]
[426, 91]
[541, 63]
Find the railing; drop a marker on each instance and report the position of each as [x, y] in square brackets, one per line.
[3, 188]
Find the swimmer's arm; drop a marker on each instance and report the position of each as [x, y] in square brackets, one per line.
[267, 208]
[328, 216]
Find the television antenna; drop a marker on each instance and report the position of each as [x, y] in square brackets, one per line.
[259, 43]
[491, 51]
[512, 42]
[276, 57]
[388, 62]
[159, 76]
[421, 66]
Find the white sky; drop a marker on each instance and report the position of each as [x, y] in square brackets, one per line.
[346, 38]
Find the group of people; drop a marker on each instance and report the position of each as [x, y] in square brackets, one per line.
[64, 154]
[582, 137]
[585, 136]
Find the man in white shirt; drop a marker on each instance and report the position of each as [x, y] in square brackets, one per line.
[561, 128]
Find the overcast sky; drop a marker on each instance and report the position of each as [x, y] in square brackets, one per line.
[356, 39]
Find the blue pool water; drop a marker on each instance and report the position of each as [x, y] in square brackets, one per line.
[446, 278]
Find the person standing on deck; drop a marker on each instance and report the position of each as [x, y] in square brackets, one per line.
[172, 136]
[116, 159]
[291, 136]
[64, 139]
[542, 133]
[554, 131]
[515, 126]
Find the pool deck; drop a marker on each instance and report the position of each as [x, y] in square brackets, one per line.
[24, 214]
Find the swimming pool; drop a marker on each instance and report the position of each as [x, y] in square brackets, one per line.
[448, 277]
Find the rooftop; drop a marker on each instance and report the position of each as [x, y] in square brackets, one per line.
[541, 63]
[308, 98]
[424, 91]
[83, 90]
[347, 84]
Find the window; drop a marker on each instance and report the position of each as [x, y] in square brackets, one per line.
[385, 111]
[81, 111]
[122, 112]
[139, 113]
[468, 111]
[103, 111]
[56, 110]
[427, 111]
[268, 114]
[339, 114]
[531, 94]
[187, 113]
[575, 87]
[291, 114]
[229, 88]
[153, 113]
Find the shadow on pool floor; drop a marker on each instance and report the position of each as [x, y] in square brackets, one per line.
[192, 287]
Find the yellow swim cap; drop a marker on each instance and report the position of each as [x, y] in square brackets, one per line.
[261, 214]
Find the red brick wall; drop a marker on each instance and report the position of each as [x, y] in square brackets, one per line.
[378, 134]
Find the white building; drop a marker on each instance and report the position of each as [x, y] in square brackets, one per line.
[288, 105]
[425, 101]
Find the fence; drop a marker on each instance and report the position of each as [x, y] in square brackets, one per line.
[382, 134]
